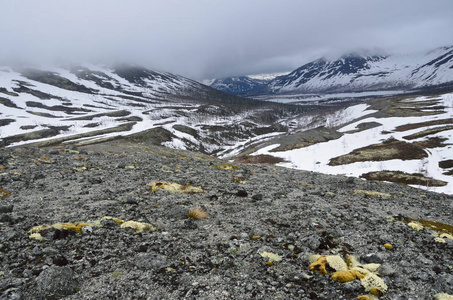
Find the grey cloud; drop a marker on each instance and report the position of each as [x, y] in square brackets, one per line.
[205, 38]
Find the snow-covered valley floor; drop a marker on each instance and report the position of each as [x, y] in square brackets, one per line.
[317, 157]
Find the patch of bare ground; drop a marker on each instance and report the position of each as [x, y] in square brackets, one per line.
[391, 149]
[53, 131]
[258, 159]
[402, 106]
[403, 178]
[305, 138]
[447, 164]
[424, 124]
[428, 132]
[432, 142]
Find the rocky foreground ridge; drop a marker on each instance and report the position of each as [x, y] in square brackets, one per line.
[133, 221]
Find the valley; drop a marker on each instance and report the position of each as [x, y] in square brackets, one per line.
[405, 139]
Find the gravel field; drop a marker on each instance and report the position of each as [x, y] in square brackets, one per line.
[129, 221]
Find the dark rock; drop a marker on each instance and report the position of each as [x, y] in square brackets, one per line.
[132, 200]
[6, 208]
[53, 152]
[177, 212]
[5, 218]
[387, 269]
[371, 258]
[55, 282]
[257, 197]
[60, 261]
[242, 193]
[190, 224]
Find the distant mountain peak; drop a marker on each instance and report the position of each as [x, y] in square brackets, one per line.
[359, 72]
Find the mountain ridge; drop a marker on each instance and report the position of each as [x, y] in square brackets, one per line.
[359, 72]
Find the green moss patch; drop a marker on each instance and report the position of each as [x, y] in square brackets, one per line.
[403, 178]
[388, 150]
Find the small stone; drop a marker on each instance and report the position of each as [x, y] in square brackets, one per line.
[242, 193]
[60, 261]
[5, 218]
[388, 246]
[371, 258]
[132, 200]
[386, 269]
[53, 152]
[257, 197]
[6, 208]
[149, 261]
[120, 165]
[243, 236]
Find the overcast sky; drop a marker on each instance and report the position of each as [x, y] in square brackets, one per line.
[215, 38]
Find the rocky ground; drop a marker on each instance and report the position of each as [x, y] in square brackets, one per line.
[252, 235]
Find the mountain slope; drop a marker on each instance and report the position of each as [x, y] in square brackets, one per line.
[354, 73]
[358, 73]
[90, 103]
[240, 86]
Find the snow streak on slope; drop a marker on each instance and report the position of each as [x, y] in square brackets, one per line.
[317, 157]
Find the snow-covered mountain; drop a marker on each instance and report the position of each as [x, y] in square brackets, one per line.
[242, 85]
[360, 73]
[89, 103]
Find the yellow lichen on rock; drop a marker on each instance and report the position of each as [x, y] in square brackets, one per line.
[415, 225]
[335, 262]
[371, 193]
[173, 187]
[366, 297]
[352, 261]
[446, 235]
[228, 167]
[376, 292]
[439, 240]
[37, 236]
[118, 221]
[70, 226]
[39, 228]
[443, 296]
[320, 265]
[346, 276]
[271, 256]
[371, 280]
[371, 267]
[138, 226]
